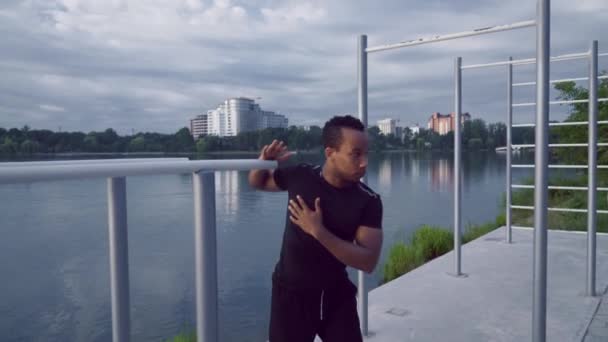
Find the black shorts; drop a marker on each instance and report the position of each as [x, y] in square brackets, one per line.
[300, 315]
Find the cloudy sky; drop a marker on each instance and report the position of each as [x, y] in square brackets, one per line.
[151, 65]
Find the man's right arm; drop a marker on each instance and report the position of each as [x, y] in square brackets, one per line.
[264, 179]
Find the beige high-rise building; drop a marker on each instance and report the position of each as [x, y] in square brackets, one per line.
[444, 123]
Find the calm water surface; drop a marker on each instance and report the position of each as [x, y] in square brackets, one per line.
[54, 245]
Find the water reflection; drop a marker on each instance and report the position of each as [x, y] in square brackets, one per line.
[442, 175]
[227, 188]
[385, 175]
[58, 233]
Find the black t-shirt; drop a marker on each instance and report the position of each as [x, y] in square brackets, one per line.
[304, 262]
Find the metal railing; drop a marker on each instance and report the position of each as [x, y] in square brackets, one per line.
[116, 171]
[542, 60]
[592, 55]
[362, 53]
[541, 165]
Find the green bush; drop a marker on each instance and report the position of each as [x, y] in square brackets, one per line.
[563, 199]
[428, 243]
[402, 259]
[184, 337]
[474, 231]
[431, 242]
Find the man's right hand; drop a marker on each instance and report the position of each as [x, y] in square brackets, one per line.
[277, 150]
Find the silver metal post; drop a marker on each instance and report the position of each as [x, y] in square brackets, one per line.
[592, 175]
[362, 108]
[457, 162]
[119, 258]
[205, 245]
[509, 142]
[539, 307]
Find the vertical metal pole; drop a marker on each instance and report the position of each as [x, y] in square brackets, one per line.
[119, 258]
[205, 245]
[362, 108]
[543, 36]
[592, 176]
[508, 238]
[457, 163]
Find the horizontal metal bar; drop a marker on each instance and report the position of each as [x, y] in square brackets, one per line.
[530, 104]
[557, 187]
[522, 227]
[525, 104]
[531, 166]
[567, 210]
[566, 57]
[560, 81]
[486, 65]
[89, 161]
[438, 38]
[528, 61]
[63, 172]
[557, 145]
[560, 230]
[568, 123]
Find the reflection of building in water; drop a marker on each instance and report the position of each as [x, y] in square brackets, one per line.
[227, 194]
[415, 168]
[384, 175]
[442, 175]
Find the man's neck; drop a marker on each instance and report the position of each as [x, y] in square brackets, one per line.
[332, 179]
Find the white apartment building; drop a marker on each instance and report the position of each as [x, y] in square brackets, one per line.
[388, 126]
[233, 116]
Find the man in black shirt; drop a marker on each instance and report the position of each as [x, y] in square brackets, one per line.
[333, 220]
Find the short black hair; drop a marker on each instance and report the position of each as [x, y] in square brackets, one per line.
[332, 131]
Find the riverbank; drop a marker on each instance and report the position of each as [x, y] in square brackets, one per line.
[428, 243]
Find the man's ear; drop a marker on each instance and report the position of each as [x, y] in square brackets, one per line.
[329, 151]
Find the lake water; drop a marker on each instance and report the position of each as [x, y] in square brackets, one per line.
[54, 262]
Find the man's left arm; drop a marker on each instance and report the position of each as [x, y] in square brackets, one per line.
[363, 255]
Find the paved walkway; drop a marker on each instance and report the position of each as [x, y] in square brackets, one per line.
[598, 329]
[494, 303]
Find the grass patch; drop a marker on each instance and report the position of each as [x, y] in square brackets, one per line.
[402, 259]
[184, 337]
[472, 232]
[428, 243]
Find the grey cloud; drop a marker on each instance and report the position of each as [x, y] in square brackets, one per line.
[308, 73]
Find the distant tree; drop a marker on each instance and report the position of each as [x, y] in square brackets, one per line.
[29, 147]
[137, 144]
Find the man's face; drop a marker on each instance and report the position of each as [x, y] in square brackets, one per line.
[349, 160]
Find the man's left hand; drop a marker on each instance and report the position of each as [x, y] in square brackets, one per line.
[311, 221]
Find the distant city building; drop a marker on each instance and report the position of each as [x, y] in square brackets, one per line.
[415, 129]
[271, 119]
[444, 123]
[199, 126]
[233, 116]
[399, 132]
[388, 126]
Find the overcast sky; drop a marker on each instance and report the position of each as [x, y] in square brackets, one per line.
[151, 65]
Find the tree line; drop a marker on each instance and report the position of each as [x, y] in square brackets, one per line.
[476, 135]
